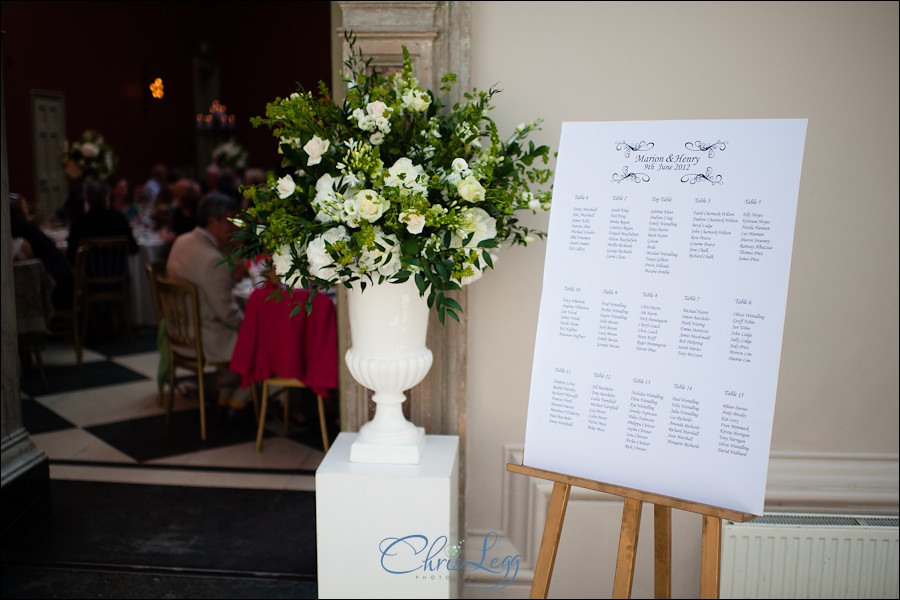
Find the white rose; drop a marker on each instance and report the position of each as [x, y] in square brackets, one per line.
[318, 256]
[286, 187]
[315, 148]
[477, 272]
[370, 206]
[325, 183]
[414, 223]
[89, 150]
[416, 100]
[459, 165]
[404, 174]
[387, 261]
[482, 225]
[377, 108]
[470, 189]
[282, 261]
[376, 139]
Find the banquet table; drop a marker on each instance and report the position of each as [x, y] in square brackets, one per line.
[271, 342]
[150, 248]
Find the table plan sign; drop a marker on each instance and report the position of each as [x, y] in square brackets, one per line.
[662, 309]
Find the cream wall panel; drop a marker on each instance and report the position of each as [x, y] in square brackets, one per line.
[833, 63]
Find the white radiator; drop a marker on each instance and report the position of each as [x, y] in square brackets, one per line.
[810, 556]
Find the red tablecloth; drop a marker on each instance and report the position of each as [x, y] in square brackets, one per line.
[273, 343]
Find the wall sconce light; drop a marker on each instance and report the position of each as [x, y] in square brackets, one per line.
[156, 88]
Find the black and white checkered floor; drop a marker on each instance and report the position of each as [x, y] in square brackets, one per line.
[141, 509]
[104, 423]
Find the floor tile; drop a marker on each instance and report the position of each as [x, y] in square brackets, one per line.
[77, 445]
[151, 437]
[110, 404]
[145, 363]
[67, 378]
[276, 453]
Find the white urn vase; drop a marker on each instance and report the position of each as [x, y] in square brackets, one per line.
[388, 326]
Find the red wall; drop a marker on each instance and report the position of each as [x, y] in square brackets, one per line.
[103, 56]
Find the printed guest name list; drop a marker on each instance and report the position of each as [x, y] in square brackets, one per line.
[662, 310]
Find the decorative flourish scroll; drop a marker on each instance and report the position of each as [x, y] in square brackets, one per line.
[626, 176]
[693, 178]
[641, 146]
[701, 147]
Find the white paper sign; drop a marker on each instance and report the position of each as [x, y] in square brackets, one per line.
[660, 326]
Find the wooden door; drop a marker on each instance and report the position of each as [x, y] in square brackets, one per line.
[48, 111]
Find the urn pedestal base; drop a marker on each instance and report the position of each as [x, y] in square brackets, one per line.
[407, 452]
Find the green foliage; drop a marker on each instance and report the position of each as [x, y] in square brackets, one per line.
[391, 185]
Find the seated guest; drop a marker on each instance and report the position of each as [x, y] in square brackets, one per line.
[151, 188]
[122, 200]
[211, 179]
[187, 196]
[99, 221]
[197, 257]
[162, 209]
[229, 183]
[43, 248]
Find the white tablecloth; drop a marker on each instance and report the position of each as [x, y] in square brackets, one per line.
[142, 311]
[150, 248]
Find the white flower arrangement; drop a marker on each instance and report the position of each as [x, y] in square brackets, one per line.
[390, 185]
[90, 157]
[230, 154]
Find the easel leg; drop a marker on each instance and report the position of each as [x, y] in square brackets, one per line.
[662, 551]
[556, 512]
[628, 539]
[710, 556]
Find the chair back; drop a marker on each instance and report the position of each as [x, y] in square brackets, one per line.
[69, 321]
[180, 307]
[106, 264]
[155, 270]
[78, 275]
[33, 288]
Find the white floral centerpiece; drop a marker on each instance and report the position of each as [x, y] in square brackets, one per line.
[390, 185]
[90, 157]
[230, 155]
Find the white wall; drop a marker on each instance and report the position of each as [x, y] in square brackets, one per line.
[835, 64]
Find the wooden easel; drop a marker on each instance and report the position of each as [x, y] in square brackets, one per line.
[711, 537]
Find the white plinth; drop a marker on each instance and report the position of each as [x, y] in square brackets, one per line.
[388, 531]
